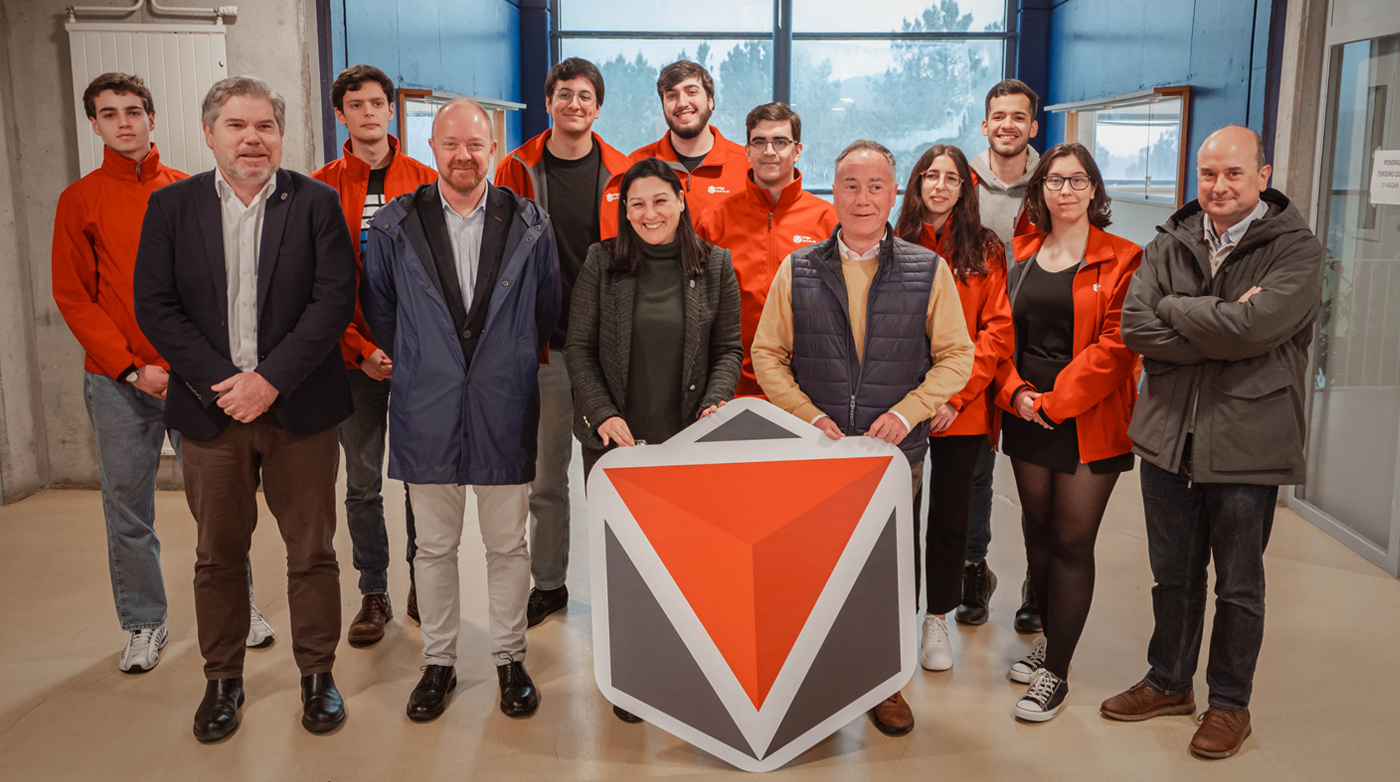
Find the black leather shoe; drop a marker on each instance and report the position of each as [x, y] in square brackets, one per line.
[519, 698]
[626, 716]
[321, 706]
[979, 582]
[1028, 615]
[429, 698]
[544, 602]
[217, 715]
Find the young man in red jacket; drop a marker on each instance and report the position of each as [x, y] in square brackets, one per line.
[566, 170]
[711, 167]
[372, 171]
[763, 223]
[97, 228]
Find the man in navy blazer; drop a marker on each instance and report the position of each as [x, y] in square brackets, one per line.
[245, 279]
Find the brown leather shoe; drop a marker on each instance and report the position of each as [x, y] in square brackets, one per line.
[1141, 702]
[411, 608]
[368, 626]
[1221, 733]
[893, 716]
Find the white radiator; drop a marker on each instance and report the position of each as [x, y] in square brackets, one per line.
[179, 62]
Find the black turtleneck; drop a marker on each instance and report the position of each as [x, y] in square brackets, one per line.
[658, 340]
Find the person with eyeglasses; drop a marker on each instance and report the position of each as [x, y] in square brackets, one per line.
[940, 212]
[1070, 386]
[768, 220]
[566, 170]
[711, 167]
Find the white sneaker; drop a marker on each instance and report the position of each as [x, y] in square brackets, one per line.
[259, 631]
[142, 651]
[1044, 699]
[1025, 669]
[938, 649]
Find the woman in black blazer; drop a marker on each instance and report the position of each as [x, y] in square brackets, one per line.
[653, 342]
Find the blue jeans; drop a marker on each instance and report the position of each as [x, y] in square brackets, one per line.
[1188, 524]
[130, 429]
[979, 518]
[362, 437]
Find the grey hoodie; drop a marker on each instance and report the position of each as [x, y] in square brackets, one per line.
[1001, 204]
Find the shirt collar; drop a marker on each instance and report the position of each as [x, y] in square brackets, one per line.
[479, 210]
[849, 255]
[225, 190]
[1234, 233]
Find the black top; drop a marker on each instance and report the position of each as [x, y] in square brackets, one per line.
[690, 163]
[1043, 315]
[374, 200]
[572, 190]
[658, 341]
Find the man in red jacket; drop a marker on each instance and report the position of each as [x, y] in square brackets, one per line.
[371, 172]
[566, 170]
[96, 231]
[763, 223]
[711, 167]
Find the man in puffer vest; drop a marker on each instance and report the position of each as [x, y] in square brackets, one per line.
[864, 288]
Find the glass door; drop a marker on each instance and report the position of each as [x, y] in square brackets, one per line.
[1353, 480]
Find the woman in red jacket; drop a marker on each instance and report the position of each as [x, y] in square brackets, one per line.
[1070, 386]
[940, 212]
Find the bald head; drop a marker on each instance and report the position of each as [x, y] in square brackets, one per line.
[1230, 175]
[463, 144]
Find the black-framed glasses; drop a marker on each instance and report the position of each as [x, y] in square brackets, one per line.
[779, 145]
[950, 180]
[1058, 182]
[584, 98]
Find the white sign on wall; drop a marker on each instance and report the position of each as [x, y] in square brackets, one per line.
[1385, 177]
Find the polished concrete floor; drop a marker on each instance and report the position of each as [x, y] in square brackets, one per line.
[1326, 705]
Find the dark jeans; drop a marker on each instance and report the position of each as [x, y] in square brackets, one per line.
[1188, 524]
[362, 437]
[953, 461]
[979, 519]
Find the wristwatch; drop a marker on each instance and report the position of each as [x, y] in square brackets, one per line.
[131, 374]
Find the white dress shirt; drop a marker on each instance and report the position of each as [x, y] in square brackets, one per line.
[242, 236]
[465, 235]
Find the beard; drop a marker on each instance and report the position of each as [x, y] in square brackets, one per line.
[700, 120]
[1011, 148]
[234, 167]
[463, 179]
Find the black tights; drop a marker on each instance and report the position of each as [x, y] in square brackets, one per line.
[1062, 517]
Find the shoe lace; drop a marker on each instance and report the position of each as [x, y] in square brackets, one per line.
[1042, 687]
[512, 669]
[140, 641]
[938, 628]
[255, 614]
[1037, 656]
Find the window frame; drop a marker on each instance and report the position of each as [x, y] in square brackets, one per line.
[496, 108]
[1072, 112]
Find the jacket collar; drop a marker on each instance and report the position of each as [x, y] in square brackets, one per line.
[759, 196]
[358, 167]
[128, 170]
[1098, 250]
[714, 157]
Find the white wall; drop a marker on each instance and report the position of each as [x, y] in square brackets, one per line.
[45, 436]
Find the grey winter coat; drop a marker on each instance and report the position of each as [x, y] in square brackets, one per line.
[1239, 366]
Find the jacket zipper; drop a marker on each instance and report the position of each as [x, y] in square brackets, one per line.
[138, 172]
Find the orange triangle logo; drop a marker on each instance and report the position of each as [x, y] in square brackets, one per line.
[751, 545]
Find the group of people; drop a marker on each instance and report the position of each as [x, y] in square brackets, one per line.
[268, 320]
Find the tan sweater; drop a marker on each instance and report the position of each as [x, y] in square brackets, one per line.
[949, 344]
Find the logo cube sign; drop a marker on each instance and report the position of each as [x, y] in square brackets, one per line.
[753, 584]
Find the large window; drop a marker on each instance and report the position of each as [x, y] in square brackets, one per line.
[907, 73]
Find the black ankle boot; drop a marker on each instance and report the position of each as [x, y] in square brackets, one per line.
[979, 582]
[1028, 615]
[217, 715]
[321, 706]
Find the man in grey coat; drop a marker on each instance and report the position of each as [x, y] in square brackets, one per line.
[1222, 311]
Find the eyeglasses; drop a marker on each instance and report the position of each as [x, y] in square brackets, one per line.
[950, 180]
[779, 145]
[565, 96]
[1058, 182]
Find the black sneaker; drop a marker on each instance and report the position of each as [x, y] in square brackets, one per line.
[1044, 698]
[1028, 615]
[544, 602]
[979, 582]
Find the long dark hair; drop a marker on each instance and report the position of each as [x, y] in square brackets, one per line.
[1100, 214]
[968, 243]
[626, 249]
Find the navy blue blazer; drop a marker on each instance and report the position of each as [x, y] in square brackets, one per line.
[306, 296]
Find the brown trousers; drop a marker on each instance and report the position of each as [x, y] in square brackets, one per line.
[221, 483]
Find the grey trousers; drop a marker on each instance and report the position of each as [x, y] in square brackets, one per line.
[549, 494]
[501, 513]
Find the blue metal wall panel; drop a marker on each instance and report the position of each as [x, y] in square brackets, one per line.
[1100, 48]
